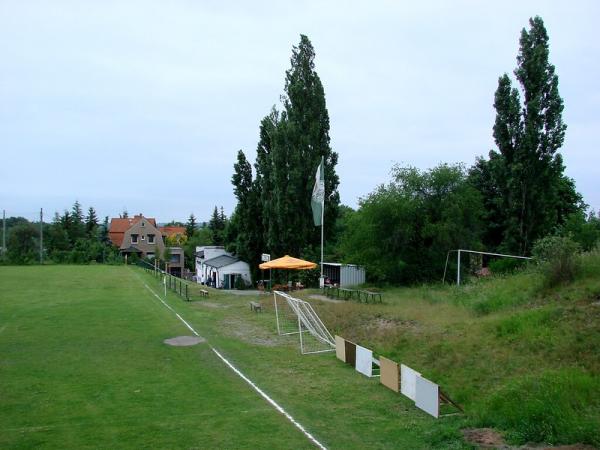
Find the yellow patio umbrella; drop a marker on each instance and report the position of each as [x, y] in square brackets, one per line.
[289, 263]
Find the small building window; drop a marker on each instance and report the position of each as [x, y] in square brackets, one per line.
[143, 237]
[134, 238]
[150, 239]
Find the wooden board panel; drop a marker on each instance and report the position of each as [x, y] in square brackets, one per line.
[350, 353]
[390, 374]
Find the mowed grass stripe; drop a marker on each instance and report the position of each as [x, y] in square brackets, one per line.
[83, 365]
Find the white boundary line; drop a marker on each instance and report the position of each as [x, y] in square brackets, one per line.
[243, 377]
[271, 401]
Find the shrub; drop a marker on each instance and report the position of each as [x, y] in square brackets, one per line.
[558, 259]
[505, 265]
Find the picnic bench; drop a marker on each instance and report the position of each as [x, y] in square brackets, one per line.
[346, 293]
[255, 306]
[203, 292]
[349, 294]
[370, 294]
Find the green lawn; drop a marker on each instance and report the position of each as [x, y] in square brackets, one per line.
[84, 365]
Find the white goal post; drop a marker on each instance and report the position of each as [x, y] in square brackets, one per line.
[295, 316]
[477, 253]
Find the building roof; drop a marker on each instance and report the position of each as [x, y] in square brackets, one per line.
[118, 227]
[221, 261]
[171, 231]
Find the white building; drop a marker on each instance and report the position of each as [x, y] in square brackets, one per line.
[218, 268]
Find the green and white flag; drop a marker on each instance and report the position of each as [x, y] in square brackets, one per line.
[317, 200]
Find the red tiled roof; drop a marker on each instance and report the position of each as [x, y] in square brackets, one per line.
[172, 231]
[119, 226]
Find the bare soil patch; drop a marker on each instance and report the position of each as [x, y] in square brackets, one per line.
[250, 333]
[184, 341]
[489, 438]
[484, 438]
[383, 324]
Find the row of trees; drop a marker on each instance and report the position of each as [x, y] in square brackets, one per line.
[73, 237]
[402, 231]
[78, 238]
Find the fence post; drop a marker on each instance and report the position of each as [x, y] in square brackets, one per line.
[186, 293]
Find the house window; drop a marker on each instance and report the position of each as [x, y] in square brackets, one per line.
[175, 258]
[150, 239]
[143, 237]
[134, 238]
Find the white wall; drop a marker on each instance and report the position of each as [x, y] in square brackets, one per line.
[239, 267]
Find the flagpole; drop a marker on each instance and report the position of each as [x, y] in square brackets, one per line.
[322, 234]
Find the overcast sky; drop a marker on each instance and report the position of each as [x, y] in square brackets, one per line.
[144, 105]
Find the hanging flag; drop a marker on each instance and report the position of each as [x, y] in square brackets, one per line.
[317, 200]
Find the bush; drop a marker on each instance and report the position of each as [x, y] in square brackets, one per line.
[557, 407]
[558, 258]
[505, 265]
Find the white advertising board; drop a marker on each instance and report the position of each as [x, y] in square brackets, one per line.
[408, 381]
[427, 396]
[364, 361]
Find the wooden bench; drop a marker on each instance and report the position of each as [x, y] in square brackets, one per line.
[203, 292]
[256, 307]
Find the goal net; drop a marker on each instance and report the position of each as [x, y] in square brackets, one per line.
[295, 316]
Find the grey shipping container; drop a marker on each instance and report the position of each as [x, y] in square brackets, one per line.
[344, 275]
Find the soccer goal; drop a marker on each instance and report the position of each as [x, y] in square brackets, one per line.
[295, 316]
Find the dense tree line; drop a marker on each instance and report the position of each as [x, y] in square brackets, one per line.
[402, 231]
[273, 210]
[72, 237]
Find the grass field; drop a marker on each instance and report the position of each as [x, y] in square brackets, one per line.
[83, 365]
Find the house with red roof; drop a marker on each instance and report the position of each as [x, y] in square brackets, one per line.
[140, 235]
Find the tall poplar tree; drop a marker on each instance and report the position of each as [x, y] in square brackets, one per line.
[301, 139]
[525, 191]
[273, 213]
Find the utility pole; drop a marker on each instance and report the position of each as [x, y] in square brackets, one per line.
[41, 236]
[3, 232]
